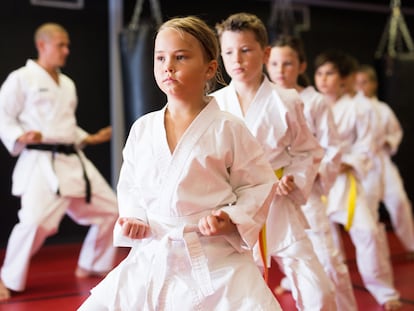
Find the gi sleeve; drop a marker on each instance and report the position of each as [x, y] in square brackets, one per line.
[128, 196]
[11, 105]
[252, 180]
[305, 151]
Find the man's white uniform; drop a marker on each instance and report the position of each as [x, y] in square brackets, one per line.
[355, 128]
[275, 118]
[51, 184]
[217, 164]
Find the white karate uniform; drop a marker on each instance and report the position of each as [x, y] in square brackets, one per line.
[355, 128]
[320, 120]
[373, 181]
[217, 164]
[275, 117]
[31, 100]
[394, 196]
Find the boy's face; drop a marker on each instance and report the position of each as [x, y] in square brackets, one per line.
[328, 81]
[364, 84]
[242, 55]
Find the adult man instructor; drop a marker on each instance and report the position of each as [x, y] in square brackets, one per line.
[52, 175]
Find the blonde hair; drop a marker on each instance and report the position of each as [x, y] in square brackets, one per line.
[207, 38]
[45, 31]
[369, 71]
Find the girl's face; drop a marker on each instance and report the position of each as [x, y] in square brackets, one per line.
[180, 68]
[243, 57]
[328, 81]
[364, 84]
[284, 66]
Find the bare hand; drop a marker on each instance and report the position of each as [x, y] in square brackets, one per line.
[285, 185]
[101, 136]
[30, 137]
[217, 223]
[134, 228]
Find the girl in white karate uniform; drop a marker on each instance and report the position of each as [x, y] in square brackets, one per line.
[193, 192]
[275, 117]
[347, 200]
[286, 65]
[394, 196]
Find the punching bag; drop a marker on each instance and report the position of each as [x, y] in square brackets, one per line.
[395, 76]
[395, 68]
[140, 91]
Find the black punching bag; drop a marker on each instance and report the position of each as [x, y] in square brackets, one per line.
[396, 75]
[395, 68]
[140, 91]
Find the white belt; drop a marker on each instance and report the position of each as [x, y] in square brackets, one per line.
[189, 234]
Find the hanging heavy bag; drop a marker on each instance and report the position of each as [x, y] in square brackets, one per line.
[140, 91]
[395, 66]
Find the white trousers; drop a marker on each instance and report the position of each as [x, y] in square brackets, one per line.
[39, 217]
[398, 205]
[328, 254]
[311, 287]
[371, 245]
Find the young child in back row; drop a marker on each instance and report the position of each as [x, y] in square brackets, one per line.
[194, 192]
[275, 117]
[394, 196]
[347, 201]
[286, 66]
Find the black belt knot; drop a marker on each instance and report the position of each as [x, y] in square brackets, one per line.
[65, 149]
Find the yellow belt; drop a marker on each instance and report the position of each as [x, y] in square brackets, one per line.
[262, 239]
[263, 252]
[279, 172]
[352, 195]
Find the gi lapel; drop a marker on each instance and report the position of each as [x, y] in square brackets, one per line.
[183, 150]
[257, 108]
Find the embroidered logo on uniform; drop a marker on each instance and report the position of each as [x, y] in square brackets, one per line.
[43, 89]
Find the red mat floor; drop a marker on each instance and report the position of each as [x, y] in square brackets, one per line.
[53, 286]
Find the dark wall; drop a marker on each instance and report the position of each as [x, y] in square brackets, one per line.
[87, 65]
[357, 32]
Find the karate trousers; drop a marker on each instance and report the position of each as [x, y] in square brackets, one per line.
[39, 217]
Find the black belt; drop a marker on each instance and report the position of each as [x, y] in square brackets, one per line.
[65, 149]
[60, 148]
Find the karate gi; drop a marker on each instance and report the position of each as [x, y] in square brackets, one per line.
[275, 118]
[356, 130]
[31, 100]
[373, 181]
[320, 120]
[394, 196]
[217, 164]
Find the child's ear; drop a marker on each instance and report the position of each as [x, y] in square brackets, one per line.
[211, 69]
[302, 67]
[266, 54]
